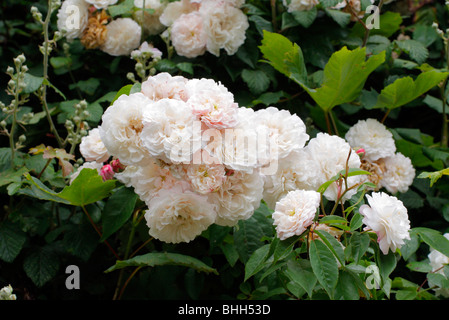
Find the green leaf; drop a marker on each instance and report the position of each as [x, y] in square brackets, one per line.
[162, 259]
[433, 176]
[122, 8]
[41, 265]
[257, 80]
[420, 266]
[88, 187]
[359, 244]
[324, 266]
[345, 75]
[256, 262]
[186, 67]
[300, 272]
[32, 83]
[333, 244]
[117, 210]
[124, 90]
[347, 288]
[434, 239]
[340, 17]
[80, 241]
[305, 18]
[249, 233]
[285, 56]
[415, 49]
[405, 90]
[88, 86]
[12, 239]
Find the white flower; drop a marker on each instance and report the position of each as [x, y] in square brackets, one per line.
[88, 165]
[287, 130]
[164, 85]
[225, 26]
[299, 5]
[122, 126]
[175, 9]
[92, 148]
[437, 262]
[123, 36]
[212, 103]
[175, 216]
[329, 155]
[388, 218]
[149, 179]
[297, 171]
[102, 4]
[169, 131]
[372, 136]
[6, 293]
[205, 178]
[150, 23]
[398, 174]
[72, 17]
[188, 36]
[238, 197]
[295, 212]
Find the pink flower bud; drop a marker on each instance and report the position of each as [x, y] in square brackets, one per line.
[106, 172]
[360, 152]
[117, 166]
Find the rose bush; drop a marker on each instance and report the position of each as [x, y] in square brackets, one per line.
[193, 149]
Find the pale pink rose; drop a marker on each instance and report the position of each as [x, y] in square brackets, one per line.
[206, 178]
[164, 85]
[187, 35]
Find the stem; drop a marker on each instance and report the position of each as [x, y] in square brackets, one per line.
[334, 124]
[444, 130]
[273, 14]
[99, 232]
[385, 116]
[127, 281]
[45, 167]
[45, 65]
[328, 124]
[13, 126]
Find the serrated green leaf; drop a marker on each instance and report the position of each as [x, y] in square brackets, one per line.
[161, 259]
[301, 273]
[324, 266]
[41, 265]
[433, 176]
[117, 211]
[415, 49]
[405, 90]
[256, 261]
[12, 239]
[256, 80]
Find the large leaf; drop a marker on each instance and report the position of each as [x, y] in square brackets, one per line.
[324, 265]
[88, 187]
[405, 90]
[12, 239]
[41, 265]
[434, 239]
[117, 210]
[153, 259]
[301, 273]
[257, 261]
[345, 75]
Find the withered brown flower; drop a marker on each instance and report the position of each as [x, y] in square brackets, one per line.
[95, 33]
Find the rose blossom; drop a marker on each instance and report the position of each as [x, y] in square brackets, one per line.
[372, 136]
[388, 218]
[188, 36]
[205, 178]
[66, 15]
[121, 128]
[175, 216]
[295, 212]
[92, 148]
[151, 22]
[175, 9]
[300, 5]
[437, 262]
[164, 85]
[123, 36]
[102, 4]
[398, 174]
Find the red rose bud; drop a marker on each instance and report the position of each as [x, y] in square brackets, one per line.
[106, 172]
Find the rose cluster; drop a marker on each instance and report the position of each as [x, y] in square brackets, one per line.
[205, 25]
[191, 153]
[192, 26]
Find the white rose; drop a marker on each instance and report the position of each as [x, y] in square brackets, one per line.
[398, 174]
[72, 17]
[388, 218]
[150, 23]
[102, 4]
[188, 36]
[92, 148]
[169, 131]
[437, 262]
[175, 216]
[205, 178]
[299, 5]
[372, 136]
[123, 36]
[295, 212]
[238, 197]
[225, 26]
[175, 9]
[6, 293]
[121, 128]
[164, 85]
